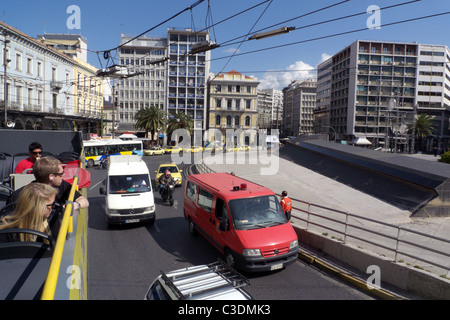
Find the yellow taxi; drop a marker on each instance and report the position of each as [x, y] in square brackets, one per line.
[174, 172]
[194, 149]
[153, 151]
[173, 149]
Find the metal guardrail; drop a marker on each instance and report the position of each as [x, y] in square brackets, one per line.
[397, 234]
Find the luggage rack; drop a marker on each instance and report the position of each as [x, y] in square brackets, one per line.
[204, 280]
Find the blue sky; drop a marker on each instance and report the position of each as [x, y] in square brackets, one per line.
[102, 23]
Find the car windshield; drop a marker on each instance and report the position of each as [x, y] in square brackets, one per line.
[257, 212]
[172, 169]
[129, 184]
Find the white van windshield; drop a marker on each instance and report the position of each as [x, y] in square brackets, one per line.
[129, 184]
[257, 212]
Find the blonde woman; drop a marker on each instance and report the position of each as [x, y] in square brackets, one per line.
[34, 206]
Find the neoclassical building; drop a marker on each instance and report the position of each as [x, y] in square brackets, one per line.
[233, 102]
[44, 89]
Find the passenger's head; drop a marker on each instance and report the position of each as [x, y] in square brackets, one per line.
[35, 150]
[284, 194]
[48, 170]
[34, 205]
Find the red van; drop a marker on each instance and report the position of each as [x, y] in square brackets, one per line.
[242, 219]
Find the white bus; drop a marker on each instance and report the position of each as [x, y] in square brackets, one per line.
[96, 150]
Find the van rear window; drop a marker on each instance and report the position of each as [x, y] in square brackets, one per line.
[257, 212]
[129, 184]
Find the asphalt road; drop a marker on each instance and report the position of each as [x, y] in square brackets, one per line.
[123, 261]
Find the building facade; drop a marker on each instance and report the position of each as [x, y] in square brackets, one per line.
[274, 98]
[148, 87]
[40, 86]
[175, 84]
[233, 103]
[433, 92]
[299, 105]
[377, 88]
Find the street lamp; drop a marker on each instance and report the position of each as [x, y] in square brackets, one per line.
[390, 107]
[334, 131]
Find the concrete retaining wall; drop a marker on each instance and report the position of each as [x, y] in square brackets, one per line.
[415, 281]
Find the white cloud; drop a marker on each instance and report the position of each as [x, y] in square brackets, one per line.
[280, 79]
[325, 56]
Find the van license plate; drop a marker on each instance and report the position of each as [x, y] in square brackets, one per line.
[132, 221]
[276, 267]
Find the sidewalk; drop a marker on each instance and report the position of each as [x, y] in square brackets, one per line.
[308, 186]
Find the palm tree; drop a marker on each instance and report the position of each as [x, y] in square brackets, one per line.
[423, 127]
[180, 121]
[150, 119]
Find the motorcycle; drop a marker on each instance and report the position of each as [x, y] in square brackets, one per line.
[104, 163]
[167, 192]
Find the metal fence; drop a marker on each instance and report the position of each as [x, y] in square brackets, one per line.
[388, 238]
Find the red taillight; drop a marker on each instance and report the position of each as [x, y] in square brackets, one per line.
[243, 186]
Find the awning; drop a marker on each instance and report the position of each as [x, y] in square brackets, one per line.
[360, 141]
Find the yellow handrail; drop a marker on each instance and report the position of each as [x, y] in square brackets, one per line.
[53, 271]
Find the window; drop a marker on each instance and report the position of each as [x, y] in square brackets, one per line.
[205, 199]
[29, 66]
[236, 120]
[218, 120]
[191, 191]
[248, 104]
[18, 62]
[247, 120]
[218, 103]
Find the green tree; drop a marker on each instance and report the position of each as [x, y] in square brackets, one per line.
[423, 127]
[150, 119]
[180, 121]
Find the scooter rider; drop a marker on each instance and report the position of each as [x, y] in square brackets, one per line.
[286, 204]
[164, 179]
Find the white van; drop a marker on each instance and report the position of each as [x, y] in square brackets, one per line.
[129, 194]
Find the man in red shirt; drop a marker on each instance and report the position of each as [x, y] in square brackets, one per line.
[35, 150]
[286, 204]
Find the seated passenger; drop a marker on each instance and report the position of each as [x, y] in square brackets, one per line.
[33, 208]
[35, 150]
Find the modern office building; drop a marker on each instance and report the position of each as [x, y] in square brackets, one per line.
[321, 112]
[42, 87]
[275, 99]
[433, 92]
[377, 88]
[168, 76]
[264, 110]
[233, 103]
[299, 104]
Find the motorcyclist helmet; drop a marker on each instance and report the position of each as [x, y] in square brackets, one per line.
[167, 173]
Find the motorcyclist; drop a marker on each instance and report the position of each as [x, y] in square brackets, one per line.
[165, 179]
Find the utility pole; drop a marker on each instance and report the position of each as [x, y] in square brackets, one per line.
[5, 90]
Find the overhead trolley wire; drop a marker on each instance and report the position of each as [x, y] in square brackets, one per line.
[320, 22]
[335, 35]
